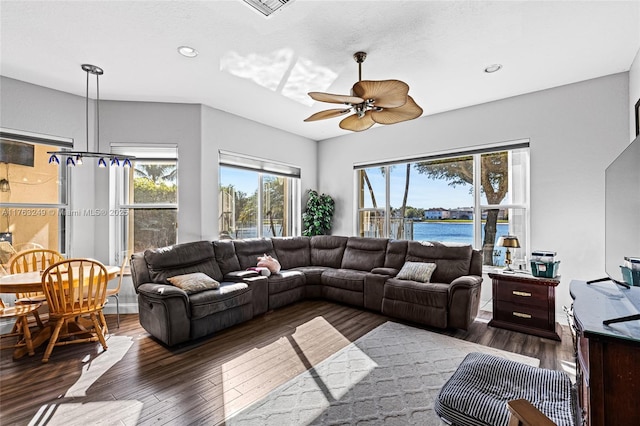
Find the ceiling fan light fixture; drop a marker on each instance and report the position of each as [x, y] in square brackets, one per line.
[372, 101]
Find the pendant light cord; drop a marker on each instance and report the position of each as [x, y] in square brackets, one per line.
[98, 112]
[86, 108]
[97, 144]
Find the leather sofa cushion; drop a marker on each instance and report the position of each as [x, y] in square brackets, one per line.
[249, 250]
[226, 256]
[181, 259]
[452, 261]
[427, 294]
[396, 254]
[292, 252]
[229, 295]
[364, 254]
[312, 274]
[285, 281]
[344, 278]
[327, 250]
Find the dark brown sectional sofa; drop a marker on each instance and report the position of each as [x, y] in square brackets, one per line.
[352, 270]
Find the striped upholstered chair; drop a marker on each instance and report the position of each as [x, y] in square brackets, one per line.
[490, 390]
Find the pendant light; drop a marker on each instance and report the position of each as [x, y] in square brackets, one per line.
[75, 158]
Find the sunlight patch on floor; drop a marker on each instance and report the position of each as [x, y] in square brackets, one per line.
[299, 354]
[89, 413]
[79, 413]
[93, 369]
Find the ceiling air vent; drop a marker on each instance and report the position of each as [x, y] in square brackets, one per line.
[267, 7]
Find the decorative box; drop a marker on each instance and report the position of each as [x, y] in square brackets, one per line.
[543, 256]
[632, 263]
[630, 276]
[545, 269]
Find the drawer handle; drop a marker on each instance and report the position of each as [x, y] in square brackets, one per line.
[521, 315]
[521, 293]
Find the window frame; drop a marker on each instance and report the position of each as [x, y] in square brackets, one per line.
[121, 182]
[265, 167]
[64, 197]
[478, 207]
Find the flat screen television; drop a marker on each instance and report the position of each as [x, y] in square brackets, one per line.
[16, 152]
[622, 210]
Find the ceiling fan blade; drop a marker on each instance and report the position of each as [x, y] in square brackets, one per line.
[335, 99]
[330, 113]
[357, 124]
[386, 93]
[408, 111]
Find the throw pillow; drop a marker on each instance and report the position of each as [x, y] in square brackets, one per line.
[416, 271]
[194, 283]
[270, 263]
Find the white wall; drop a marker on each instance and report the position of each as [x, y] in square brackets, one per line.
[575, 131]
[38, 109]
[142, 123]
[228, 132]
[198, 131]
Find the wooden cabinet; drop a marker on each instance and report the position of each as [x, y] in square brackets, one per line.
[608, 356]
[525, 303]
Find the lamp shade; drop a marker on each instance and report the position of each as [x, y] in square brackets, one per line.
[510, 241]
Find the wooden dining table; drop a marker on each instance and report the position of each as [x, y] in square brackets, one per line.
[28, 282]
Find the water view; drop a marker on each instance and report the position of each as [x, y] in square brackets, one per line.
[454, 232]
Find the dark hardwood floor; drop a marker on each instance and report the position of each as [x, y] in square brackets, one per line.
[144, 382]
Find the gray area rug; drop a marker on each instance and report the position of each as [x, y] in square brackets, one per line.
[390, 376]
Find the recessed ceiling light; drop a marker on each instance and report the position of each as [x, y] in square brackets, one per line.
[493, 68]
[187, 51]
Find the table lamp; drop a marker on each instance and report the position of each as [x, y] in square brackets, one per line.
[508, 241]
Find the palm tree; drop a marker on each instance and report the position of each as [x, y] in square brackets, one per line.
[156, 172]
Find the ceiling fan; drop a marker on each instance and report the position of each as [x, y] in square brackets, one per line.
[382, 102]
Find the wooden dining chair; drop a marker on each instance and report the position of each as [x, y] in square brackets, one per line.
[75, 289]
[113, 292]
[21, 329]
[523, 413]
[30, 261]
[28, 246]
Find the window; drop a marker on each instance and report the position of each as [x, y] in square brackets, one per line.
[471, 198]
[146, 199]
[33, 193]
[257, 198]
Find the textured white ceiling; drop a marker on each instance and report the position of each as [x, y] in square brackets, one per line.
[261, 68]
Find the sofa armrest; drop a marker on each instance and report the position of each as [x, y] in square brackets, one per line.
[392, 272]
[160, 291]
[259, 286]
[464, 301]
[465, 282]
[164, 312]
[239, 276]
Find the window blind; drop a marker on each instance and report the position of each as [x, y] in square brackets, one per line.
[147, 151]
[242, 161]
[449, 154]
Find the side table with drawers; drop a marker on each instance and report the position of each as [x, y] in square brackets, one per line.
[525, 303]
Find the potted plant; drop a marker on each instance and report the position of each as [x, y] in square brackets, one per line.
[318, 214]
